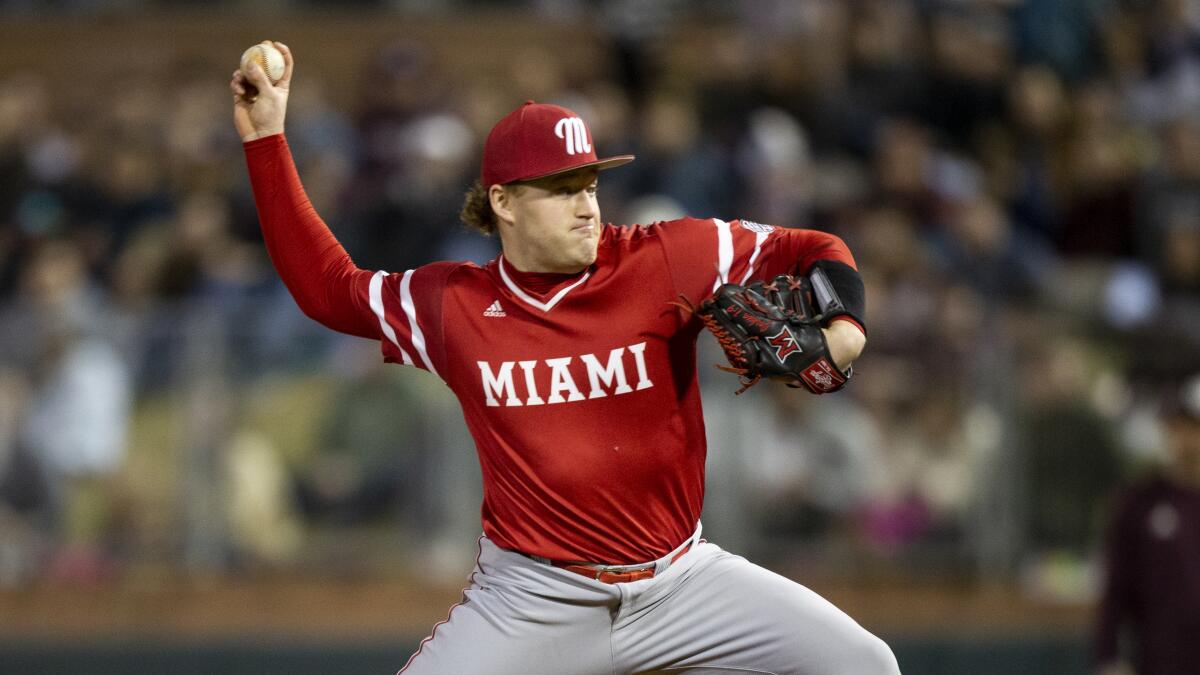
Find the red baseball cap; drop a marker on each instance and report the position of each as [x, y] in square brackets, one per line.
[539, 140]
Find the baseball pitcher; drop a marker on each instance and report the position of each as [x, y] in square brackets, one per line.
[573, 355]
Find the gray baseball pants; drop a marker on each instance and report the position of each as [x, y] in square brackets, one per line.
[708, 612]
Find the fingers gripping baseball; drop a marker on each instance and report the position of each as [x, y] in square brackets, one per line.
[259, 107]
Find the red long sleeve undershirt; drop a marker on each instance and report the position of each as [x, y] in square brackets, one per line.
[315, 268]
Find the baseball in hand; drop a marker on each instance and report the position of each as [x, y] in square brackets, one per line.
[267, 57]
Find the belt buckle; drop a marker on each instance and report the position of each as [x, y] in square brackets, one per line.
[607, 575]
[611, 577]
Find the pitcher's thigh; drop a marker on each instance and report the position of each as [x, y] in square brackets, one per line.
[731, 614]
[486, 636]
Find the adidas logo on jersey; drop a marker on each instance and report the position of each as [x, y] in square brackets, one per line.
[494, 310]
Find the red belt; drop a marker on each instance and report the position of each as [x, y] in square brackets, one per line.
[607, 575]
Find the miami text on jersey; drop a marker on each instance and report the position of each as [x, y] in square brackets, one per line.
[602, 378]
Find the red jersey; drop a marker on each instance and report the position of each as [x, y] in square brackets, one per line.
[583, 401]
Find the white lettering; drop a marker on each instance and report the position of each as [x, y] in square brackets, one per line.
[639, 355]
[614, 369]
[494, 386]
[604, 378]
[560, 381]
[574, 132]
[530, 384]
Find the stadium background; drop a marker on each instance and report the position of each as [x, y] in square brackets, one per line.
[196, 478]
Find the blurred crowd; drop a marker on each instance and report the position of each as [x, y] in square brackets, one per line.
[1019, 183]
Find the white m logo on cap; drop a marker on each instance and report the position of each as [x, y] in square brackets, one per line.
[572, 130]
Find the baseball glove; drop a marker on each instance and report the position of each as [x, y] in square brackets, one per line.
[773, 330]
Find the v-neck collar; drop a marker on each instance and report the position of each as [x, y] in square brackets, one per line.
[527, 298]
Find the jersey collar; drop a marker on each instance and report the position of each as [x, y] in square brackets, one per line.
[529, 299]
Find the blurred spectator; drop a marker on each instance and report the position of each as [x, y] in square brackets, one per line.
[810, 467]
[1101, 164]
[419, 154]
[1152, 591]
[1169, 205]
[1062, 34]
[970, 55]
[980, 246]
[264, 528]
[1169, 49]
[74, 429]
[777, 162]
[373, 457]
[635, 26]
[904, 161]
[23, 486]
[1032, 178]
[1069, 450]
[923, 480]
[676, 159]
[886, 43]
[794, 468]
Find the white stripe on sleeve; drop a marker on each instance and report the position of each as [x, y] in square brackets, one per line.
[418, 338]
[759, 238]
[724, 252]
[376, 292]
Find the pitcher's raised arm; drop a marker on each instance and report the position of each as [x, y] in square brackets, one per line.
[325, 283]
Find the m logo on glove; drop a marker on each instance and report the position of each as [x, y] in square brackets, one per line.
[784, 343]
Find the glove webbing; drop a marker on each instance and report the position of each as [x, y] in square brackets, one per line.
[729, 343]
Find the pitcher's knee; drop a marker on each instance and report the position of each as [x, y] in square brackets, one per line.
[850, 652]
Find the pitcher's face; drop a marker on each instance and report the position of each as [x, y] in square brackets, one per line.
[556, 222]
